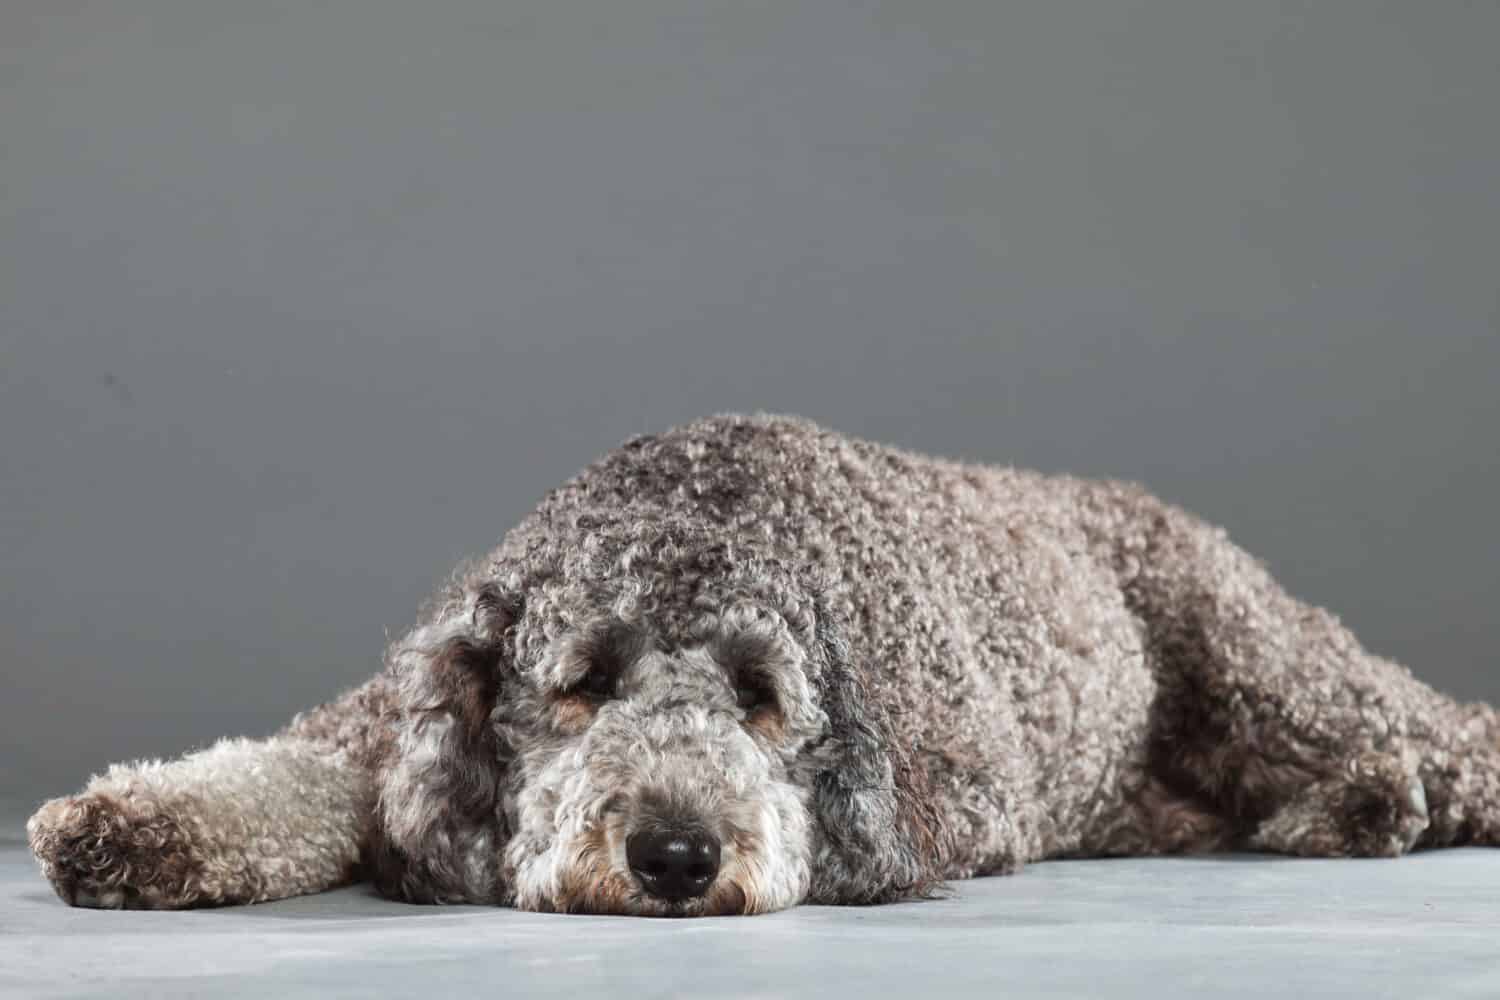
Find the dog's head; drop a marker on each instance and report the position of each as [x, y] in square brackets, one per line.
[678, 733]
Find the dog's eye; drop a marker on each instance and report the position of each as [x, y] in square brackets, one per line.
[603, 657]
[754, 694]
[599, 683]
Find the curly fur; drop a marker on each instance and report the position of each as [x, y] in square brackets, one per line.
[860, 670]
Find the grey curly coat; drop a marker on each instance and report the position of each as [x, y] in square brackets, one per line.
[750, 662]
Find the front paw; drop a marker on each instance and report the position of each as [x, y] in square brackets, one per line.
[114, 852]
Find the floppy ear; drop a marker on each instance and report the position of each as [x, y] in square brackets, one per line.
[882, 838]
[438, 831]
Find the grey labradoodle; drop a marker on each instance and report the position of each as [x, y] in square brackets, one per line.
[750, 662]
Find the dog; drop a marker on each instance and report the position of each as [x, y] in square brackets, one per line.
[750, 663]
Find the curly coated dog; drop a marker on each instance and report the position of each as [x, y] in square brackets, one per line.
[750, 663]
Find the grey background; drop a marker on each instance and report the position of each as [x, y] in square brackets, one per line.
[302, 302]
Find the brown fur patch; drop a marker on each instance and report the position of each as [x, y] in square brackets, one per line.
[467, 674]
[918, 818]
[590, 885]
[726, 898]
[770, 724]
[117, 852]
[572, 713]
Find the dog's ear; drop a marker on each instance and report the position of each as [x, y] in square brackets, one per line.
[881, 836]
[438, 831]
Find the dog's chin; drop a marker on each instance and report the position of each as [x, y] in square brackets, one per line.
[613, 894]
[592, 878]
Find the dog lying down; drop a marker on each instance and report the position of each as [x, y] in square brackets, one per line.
[750, 663]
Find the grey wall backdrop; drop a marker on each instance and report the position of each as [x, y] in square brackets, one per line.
[302, 302]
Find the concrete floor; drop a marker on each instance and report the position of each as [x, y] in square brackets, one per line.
[1236, 926]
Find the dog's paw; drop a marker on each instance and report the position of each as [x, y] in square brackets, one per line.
[1384, 808]
[114, 852]
[1374, 807]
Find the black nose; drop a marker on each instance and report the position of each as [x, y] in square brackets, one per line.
[673, 864]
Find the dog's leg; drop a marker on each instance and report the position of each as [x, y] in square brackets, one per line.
[1271, 712]
[1461, 772]
[240, 822]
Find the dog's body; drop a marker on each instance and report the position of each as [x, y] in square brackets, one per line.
[749, 663]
